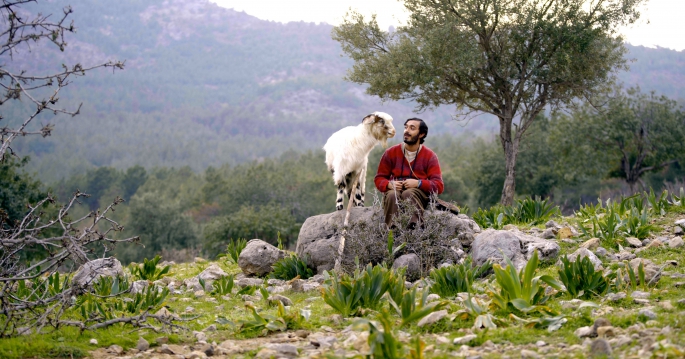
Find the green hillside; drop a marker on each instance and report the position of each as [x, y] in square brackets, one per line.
[206, 86]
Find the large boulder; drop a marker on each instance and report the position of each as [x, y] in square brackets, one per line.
[494, 245]
[319, 237]
[91, 271]
[258, 257]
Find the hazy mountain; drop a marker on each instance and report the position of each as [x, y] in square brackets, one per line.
[204, 85]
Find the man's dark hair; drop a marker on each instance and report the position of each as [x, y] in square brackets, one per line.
[423, 128]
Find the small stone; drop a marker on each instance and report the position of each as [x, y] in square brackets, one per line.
[279, 298]
[549, 233]
[266, 353]
[600, 322]
[442, 340]
[646, 312]
[540, 343]
[606, 332]
[600, 348]
[196, 355]
[641, 301]
[190, 309]
[634, 242]
[584, 332]
[551, 224]
[432, 318]
[525, 353]
[680, 223]
[432, 298]
[653, 244]
[591, 244]
[615, 297]
[676, 242]
[678, 231]
[464, 340]
[601, 252]
[625, 256]
[93, 341]
[162, 340]
[287, 350]
[666, 304]
[200, 336]
[199, 293]
[142, 345]
[639, 294]
[211, 328]
[115, 349]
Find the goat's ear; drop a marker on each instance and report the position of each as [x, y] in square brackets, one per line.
[371, 118]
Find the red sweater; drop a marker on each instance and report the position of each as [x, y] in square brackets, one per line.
[394, 166]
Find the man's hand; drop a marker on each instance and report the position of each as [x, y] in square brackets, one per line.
[410, 183]
[395, 185]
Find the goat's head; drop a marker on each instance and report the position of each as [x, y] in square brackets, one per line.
[380, 126]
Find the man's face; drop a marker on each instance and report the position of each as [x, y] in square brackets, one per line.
[411, 132]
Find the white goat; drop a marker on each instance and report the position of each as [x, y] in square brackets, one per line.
[347, 155]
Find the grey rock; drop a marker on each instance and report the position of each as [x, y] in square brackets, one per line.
[678, 231]
[639, 294]
[601, 252]
[615, 297]
[552, 224]
[211, 273]
[549, 233]
[275, 282]
[582, 253]
[287, 350]
[652, 271]
[525, 353]
[412, 263]
[319, 236]
[600, 348]
[591, 244]
[680, 223]
[115, 349]
[142, 345]
[432, 318]
[676, 242]
[465, 339]
[211, 328]
[323, 341]
[584, 332]
[518, 247]
[258, 257]
[284, 300]
[139, 286]
[634, 242]
[625, 256]
[91, 271]
[244, 282]
[646, 312]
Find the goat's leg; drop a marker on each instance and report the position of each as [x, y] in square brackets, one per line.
[341, 195]
[362, 188]
[352, 185]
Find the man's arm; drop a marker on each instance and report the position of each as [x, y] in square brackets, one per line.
[384, 173]
[433, 184]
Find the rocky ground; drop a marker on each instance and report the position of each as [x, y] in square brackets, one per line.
[646, 322]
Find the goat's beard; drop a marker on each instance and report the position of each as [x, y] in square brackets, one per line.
[384, 143]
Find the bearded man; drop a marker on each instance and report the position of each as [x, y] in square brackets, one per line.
[409, 171]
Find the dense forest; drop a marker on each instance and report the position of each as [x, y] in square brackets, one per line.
[213, 130]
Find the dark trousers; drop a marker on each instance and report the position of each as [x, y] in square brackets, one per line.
[418, 197]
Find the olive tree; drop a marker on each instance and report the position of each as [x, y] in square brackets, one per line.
[508, 58]
[627, 135]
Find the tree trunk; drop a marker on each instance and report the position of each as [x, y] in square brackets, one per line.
[510, 145]
[511, 150]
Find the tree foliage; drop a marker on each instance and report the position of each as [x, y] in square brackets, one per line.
[630, 134]
[510, 59]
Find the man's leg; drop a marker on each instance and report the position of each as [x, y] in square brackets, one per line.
[389, 206]
[420, 200]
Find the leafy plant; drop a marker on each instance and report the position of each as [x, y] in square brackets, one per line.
[247, 290]
[290, 267]
[479, 312]
[659, 204]
[521, 290]
[234, 248]
[108, 286]
[637, 224]
[392, 252]
[580, 278]
[410, 311]
[606, 227]
[633, 278]
[149, 270]
[531, 211]
[223, 285]
[347, 294]
[453, 279]
[151, 299]
[268, 323]
[382, 342]
[677, 201]
[490, 218]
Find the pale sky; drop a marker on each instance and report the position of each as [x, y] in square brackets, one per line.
[661, 23]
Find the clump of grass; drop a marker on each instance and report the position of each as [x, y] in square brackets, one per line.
[450, 280]
[291, 267]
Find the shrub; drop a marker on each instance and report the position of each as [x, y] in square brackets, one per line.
[108, 286]
[531, 211]
[450, 280]
[234, 248]
[290, 267]
[149, 270]
[580, 278]
[223, 285]
[490, 218]
[347, 294]
[521, 290]
[408, 309]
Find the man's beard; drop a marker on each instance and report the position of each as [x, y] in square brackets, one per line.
[412, 140]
